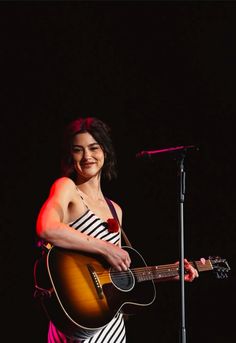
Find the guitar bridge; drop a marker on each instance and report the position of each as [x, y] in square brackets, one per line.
[95, 281]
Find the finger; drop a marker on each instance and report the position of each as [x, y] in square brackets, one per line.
[124, 266]
[128, 262]
[194, 271]
[203, 261]
[128, 258]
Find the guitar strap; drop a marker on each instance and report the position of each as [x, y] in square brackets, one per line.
[113, 211]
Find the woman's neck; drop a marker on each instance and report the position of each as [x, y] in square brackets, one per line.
[91, 189]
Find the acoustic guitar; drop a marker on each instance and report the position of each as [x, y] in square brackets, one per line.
[80, 292]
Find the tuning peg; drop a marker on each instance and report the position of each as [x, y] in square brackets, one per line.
[221, 275]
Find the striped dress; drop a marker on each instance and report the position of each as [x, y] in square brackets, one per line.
[114, 332]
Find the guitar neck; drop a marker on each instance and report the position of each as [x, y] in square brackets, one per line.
[166, 271]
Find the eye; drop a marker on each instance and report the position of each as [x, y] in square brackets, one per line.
[94, 147]
[76, 149]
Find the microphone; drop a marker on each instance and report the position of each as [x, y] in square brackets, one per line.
[177, 149]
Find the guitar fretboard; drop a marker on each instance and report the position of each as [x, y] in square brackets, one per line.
[166, 271]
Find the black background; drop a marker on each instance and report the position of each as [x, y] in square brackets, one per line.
[161, 74]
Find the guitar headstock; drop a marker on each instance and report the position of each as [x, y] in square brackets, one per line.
[220, 266]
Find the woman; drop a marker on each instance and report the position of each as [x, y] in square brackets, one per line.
[76, 216]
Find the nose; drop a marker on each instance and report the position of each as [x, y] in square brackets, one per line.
[86, 154]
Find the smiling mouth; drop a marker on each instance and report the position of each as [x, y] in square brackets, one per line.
[86, 165]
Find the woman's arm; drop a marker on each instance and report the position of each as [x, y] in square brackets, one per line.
[52, 228]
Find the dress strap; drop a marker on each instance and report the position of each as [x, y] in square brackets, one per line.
[82, 198]
[112, 209]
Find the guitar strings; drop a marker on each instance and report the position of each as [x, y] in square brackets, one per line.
[149, 272]
[142, 272]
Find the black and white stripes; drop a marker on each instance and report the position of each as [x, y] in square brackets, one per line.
[90, 224]
[114, 332]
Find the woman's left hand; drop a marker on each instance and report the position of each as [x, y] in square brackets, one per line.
[190, 272]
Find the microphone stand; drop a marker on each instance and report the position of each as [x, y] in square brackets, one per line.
[181, 153]
[181, 175]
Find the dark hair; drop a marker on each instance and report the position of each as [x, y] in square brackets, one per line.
[101, 133]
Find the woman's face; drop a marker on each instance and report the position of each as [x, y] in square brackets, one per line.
[88, 156]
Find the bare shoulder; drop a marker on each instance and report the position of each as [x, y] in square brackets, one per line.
[64, 181]
[63, 184]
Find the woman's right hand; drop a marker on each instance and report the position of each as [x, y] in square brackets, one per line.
[117, 257]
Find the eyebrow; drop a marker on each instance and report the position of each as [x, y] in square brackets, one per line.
[90, 145]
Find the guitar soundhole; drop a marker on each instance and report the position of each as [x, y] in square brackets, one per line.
[124, 280]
